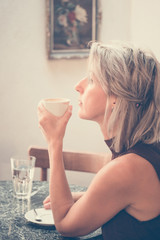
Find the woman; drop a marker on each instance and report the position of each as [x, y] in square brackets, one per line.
[122, 94]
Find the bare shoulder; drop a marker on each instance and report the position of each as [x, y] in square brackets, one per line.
[126, 171]
[123, 167]
[136, 166]
[118, 175]
[131, 165]
[116, 180]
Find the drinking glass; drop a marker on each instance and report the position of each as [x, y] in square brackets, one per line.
[22, 175]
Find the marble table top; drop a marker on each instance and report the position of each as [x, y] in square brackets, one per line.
[14, 226]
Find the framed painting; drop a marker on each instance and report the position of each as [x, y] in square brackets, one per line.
[71, 25]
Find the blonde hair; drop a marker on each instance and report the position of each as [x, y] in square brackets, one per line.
[133, 76]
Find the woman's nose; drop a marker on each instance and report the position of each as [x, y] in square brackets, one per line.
[80, 85]
[77, 87]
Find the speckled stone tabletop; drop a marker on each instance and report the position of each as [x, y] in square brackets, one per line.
[14, 226]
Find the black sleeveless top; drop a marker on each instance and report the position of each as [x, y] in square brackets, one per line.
[123, 226]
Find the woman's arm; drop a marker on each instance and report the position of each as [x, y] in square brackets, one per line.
[53, 129]
[99, 204]
[60, 194]
[75, 195]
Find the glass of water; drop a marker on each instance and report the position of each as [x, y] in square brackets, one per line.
[22, 175]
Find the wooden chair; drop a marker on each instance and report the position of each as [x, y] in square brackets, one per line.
[73, 161]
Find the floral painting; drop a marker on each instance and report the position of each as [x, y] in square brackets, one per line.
[73, 25]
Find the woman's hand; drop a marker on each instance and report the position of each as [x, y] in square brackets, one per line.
[47, 203]
[53, 127]
[75, 195]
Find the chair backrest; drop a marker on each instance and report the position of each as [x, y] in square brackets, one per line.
[73, 161]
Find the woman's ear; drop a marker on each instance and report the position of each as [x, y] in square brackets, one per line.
[113, 100]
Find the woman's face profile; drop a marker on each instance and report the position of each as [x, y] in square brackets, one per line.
[92, 99]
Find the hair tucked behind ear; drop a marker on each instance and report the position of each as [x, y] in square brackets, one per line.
[133, 76]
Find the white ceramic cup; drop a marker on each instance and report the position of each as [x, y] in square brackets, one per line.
[56, 106]
[22, 175]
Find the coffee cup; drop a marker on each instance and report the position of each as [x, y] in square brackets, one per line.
[56, 106]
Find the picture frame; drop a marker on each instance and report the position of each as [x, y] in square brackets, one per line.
[71, 25]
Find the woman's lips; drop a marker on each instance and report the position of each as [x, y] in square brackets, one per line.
[79, 102]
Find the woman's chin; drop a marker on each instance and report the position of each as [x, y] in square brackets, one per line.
[82, 116]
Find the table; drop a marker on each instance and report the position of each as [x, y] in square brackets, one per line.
[14, 226]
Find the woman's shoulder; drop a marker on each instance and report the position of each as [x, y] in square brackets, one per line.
[124, 170]
[128, 168]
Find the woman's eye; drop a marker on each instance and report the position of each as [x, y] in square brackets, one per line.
[90, 80]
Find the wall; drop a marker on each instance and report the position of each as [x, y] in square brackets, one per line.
[145, 24]
[26, 75]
